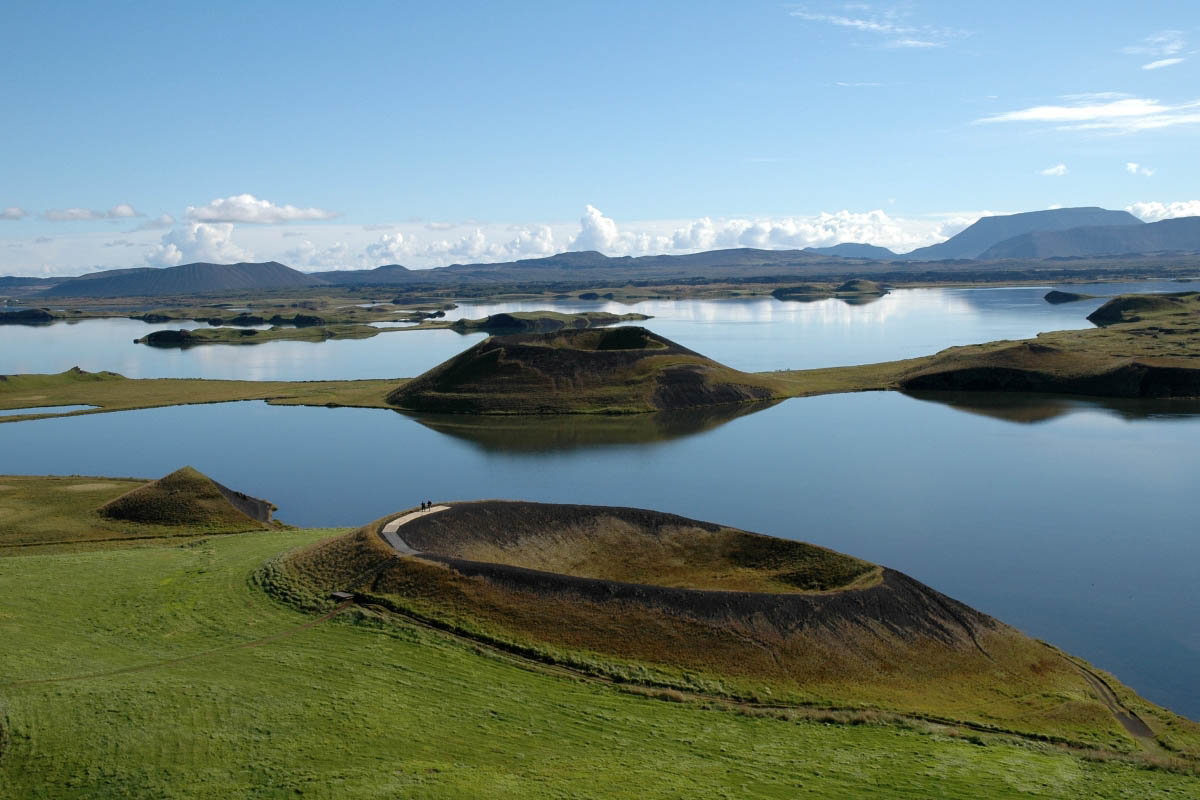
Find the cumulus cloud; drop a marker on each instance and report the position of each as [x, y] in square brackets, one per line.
[248, 208]
[391, 248]
[13, 212]
[335, 256]
[1057, 171]
[119, 211]
[1134, 168]
[1155, 211]
[197, 241]
[596, 232]
[1104, 112]
[476, 245]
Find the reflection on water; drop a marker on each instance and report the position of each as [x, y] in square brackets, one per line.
[749, 333]
[1079, 530]
[1031, 407]
[16, 412]
[568, 432]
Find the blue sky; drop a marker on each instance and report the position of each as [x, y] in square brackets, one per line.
[150, 134]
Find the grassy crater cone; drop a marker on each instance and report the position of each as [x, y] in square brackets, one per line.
[644, 596]
[187, 497]
[617, 370]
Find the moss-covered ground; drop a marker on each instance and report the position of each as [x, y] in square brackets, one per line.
[162, 671]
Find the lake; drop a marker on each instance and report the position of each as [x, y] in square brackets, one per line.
[752, 334]
[1077, 525]
[1072, 519]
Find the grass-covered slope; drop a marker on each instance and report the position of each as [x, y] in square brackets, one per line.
[38, 511]
[189, 498]
[618, 370]
[651, 598]
[163, 672]
[108, 391]
[1149, 347]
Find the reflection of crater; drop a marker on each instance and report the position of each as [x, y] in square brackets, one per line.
[1030, 407]
[543, 434]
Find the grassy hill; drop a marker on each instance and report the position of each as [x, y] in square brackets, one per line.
[1150, 347]
[37, 511]
[188, 498]
[653, 599]
[621, 370]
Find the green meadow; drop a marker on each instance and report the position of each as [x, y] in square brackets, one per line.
[163, 671]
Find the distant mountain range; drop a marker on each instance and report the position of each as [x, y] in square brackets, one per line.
[1063, 233]
[987, 232]
[1172, 235]
[196, 278]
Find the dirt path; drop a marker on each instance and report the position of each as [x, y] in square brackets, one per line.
[391, 536]
[1130, 721]
[171, 661]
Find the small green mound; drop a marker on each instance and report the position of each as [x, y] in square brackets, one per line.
[187, 497]
[542, 321]
[860, 286]
[1055, 297]
[1131, 307]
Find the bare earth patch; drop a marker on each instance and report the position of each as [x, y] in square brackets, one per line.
[90, 487]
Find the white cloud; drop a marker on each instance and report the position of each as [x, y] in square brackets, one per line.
[1155, 211]
[1162, 62]
[338, 255]
[392, 248]
[197, 241]
[596, 232]
[159, 223]
[1099, 112]
[893, 24]
[1057, 171]
[1134, 168]
[13, 212]
[1163, 43]
[119, 211]
[348, 246]
[248, 208]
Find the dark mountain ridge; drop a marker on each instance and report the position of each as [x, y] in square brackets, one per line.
[185, 279]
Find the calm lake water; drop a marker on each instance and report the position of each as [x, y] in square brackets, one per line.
[750, 334]
[1073, 520]
[1079, 528]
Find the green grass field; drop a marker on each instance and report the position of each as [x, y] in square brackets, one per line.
[161, 671]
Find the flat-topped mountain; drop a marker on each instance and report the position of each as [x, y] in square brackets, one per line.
[854, 250]
[648, 597]
[973, 242]
[1169, 235]
[199, 278]
[589, 371]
